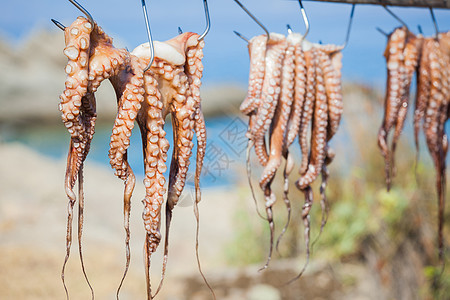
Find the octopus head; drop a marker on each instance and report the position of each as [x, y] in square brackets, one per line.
[173, 51]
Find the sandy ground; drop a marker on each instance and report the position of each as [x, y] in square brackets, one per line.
[33, 226]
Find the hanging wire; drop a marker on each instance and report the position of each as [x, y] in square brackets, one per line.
[253, 17]
[208, 21]
[434, 21]
[395, 16]
[149, 34]
[83, 10]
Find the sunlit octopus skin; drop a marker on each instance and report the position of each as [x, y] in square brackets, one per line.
[276, 47]
[394, 59]
[277, 136]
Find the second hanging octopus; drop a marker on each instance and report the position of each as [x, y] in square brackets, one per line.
[294, 91]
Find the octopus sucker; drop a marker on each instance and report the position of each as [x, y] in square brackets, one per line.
[171, 85]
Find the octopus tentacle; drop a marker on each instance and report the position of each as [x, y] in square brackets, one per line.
[333, 90]
[423, 91]
[129, 87]
[293, 122]
[194, 71]
[299, 95]
[306, 223]
[436, 115]
[257, 52]
[77, 38]
[411, 56]
[275, 52]
[319, 132]
[394, 57]
[308, 106]
[77, 50]
[277, 137]
[155, 146]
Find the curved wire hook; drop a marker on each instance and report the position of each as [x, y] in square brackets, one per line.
[208, 21]
[149, 34]
[395, 16]
[83, 10]
[253, 17]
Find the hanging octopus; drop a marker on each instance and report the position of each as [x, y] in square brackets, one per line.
[170, 85]
[429, 58]
[294, 91]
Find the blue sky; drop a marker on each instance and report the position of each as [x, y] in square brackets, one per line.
[226, 56]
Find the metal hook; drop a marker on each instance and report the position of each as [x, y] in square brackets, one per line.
[149, 34]
[208, 21]
[59, 25]
[241, 36]
[84, 11]
[434, 21]
[349, 25]
[395, 16]
[253, 17]
[305, 19]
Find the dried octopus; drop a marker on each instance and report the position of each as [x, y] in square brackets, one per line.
[429, 58]
[294, 91]
[170, 85]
